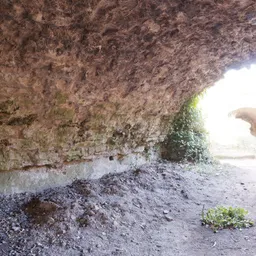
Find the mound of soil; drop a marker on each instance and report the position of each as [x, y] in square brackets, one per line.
[154, 210]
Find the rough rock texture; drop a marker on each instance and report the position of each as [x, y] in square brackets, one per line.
[248, 115]
[85, 77]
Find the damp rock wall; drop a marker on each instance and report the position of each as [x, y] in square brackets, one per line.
[87, 78]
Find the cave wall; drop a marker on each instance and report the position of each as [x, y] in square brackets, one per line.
[86, 78]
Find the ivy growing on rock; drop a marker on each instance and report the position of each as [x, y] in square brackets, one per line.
[187, 139]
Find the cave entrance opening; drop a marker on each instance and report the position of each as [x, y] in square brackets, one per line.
[230, 137]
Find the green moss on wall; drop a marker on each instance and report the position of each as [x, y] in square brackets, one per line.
[61, 98]
[59, 113]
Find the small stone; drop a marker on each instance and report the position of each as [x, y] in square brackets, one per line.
[143, 225]
[185, 195]
[15, 228]
[165, 212]
[169, 218]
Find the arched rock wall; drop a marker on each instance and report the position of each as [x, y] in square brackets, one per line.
[81, 78]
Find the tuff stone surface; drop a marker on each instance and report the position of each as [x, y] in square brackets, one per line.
[85, 78]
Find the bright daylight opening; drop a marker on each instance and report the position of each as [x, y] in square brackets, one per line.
[230, 137]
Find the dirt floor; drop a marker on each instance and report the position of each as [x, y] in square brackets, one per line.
[154, 210]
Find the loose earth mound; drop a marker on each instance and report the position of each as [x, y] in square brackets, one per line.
[154, 210]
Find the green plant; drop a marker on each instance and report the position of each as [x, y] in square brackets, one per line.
[226, 217]
[187, 139]
[82, 221]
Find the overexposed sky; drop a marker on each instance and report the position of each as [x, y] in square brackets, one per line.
[236, 90]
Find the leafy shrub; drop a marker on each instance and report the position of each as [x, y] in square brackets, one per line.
[221, 217]
[187, 139]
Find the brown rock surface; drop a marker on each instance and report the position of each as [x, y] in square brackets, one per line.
[248, 115]
[80, 78]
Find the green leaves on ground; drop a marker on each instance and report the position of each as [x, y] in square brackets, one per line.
[222, 217]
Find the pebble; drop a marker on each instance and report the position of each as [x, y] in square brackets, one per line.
[169, 218]
[15, 228]
[143, 225]
[165, 212]
[96, 207]
[185, 195]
